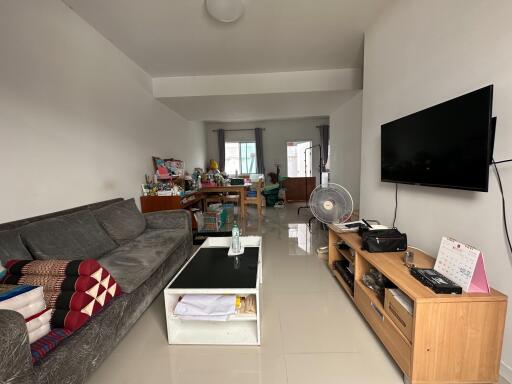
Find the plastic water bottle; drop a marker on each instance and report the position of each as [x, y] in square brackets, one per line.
[235, 238]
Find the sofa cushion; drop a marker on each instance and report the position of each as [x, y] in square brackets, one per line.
[69, 237]
[122, 221]
[11, 246]
[133, 263]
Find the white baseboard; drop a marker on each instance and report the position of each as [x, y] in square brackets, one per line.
[506, 372]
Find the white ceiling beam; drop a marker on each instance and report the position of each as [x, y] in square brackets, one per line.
[258, 107]
[344, 79]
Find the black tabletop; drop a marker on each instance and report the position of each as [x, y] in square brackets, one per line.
[212, 268]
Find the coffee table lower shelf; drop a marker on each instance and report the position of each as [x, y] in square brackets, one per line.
[237, 330]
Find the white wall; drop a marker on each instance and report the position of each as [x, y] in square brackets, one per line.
[277, 133]
[417, 54]
[346, 145]
[78, 122]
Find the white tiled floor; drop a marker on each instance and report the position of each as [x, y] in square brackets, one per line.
[311, 332]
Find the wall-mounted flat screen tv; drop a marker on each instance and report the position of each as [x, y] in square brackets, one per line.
[447, 145]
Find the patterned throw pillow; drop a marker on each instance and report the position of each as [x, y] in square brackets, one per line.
[74, 290]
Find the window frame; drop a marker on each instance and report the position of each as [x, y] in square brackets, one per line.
[239, 143]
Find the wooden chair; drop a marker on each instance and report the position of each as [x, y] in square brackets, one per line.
[235, 199]
[258, 199]
[217, 198]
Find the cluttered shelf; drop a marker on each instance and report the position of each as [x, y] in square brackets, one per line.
[191, 199]
[391, 265]
[379, 307]
[347, 254]
[344, 283]
[214, 307]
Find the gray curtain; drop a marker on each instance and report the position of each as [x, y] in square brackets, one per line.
[324, 141]
[260, 167]
[222, 148]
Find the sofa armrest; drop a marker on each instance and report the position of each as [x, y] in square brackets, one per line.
[15, 357]
[175, 219]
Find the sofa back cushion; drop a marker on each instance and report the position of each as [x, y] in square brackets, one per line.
[70, 237]
[12, 247]
[122, 221]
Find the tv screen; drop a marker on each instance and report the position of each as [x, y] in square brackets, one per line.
[447, 145]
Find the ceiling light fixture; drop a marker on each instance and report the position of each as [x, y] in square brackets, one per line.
[225, 11]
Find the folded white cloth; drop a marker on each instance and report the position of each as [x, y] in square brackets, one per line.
[23, 300]
[3, 271]
[31, 309]
[37, 322]
[37, 333]
[202, 306]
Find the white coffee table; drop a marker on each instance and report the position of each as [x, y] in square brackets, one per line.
[211, 271]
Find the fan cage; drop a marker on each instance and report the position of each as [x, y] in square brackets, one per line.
[331, 204]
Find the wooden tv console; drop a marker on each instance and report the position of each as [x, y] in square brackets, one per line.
[455, 338]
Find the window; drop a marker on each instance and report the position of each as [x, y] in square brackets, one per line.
[240, 158]
[295, 158]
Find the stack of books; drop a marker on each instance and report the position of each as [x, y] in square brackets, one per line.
[28, 300]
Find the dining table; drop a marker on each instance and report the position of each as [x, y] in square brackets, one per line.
[238, 189]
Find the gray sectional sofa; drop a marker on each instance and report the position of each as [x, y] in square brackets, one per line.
[142, 252]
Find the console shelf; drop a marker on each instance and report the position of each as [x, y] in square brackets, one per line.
[343, 283]
[346, 254]
[455, 338]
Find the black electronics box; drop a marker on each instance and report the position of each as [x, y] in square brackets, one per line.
[237, 181]
[435, 281]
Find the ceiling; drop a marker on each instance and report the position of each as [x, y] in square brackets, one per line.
[176, 37]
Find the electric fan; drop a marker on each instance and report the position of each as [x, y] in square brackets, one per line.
[331, 203]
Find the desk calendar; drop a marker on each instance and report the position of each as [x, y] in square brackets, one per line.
[463, 264]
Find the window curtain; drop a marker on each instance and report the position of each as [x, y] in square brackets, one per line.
[260, 167]
[324, 141]
[221, 138]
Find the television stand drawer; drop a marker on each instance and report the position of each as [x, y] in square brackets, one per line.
[373, 311]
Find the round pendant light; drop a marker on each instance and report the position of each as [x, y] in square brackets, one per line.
[225, 11]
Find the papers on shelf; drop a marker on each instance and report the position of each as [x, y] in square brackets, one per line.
[206, 307]
[403, 299]
[342, 227]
